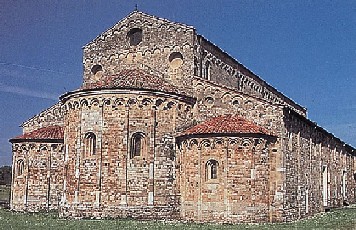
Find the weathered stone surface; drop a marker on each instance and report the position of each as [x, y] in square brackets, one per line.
[129, 150]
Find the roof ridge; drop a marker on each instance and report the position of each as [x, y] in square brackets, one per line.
[136, 78]
[143, 14]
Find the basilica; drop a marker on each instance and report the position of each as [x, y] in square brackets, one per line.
[166, 125]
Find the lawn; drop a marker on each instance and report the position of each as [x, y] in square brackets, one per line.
[337, 219]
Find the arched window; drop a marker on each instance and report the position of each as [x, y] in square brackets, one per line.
[96, 68]
[175, 60]
[134, 36]
[196, 67]
[20, 167]
[211, 169]
[90, 143]
[137, 144]
[207, 70]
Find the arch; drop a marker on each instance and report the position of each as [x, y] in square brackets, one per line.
[119, 101]
[90, 144]
[94, 102]
[43, 147]
[76, 105]
[209, 100]
[106, 102]
[193, 142]
[146, 101]
[207, 70]
[96, 68]
[170, 104]
[20, 166]
[131, 101]
[134, 36]
[159, 102]
[84, 102]
[246, 143]
[175, 60]
[205, 143]
[219, 141]
[137, 144]
[196, 67]
[211, 169]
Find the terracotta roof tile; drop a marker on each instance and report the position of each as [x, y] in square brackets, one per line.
[134, 79]
[226, 124]
[51, 132]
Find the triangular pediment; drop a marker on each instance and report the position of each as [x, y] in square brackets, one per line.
[137, 19]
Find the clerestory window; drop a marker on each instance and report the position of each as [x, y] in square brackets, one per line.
[207, 70]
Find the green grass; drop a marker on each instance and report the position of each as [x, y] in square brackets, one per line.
[337, 219]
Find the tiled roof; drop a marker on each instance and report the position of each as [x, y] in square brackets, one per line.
[134, 79]
[47, 133]
[226, 124]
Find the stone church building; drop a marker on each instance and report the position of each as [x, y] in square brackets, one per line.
[166, 125]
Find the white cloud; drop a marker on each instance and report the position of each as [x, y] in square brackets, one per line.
[27, 92]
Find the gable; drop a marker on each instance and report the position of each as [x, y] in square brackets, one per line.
[136, 19]
[48, 117]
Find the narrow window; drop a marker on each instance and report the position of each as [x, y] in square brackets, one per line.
[207, 70]
[290, 141]
[344, 179]
[20, 167]
[325, 190]
[196, 67]
[211, 169]
[90, 143]
[137, 143]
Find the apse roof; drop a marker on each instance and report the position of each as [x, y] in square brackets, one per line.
[46, 133]
[226, 125]
[134, 79]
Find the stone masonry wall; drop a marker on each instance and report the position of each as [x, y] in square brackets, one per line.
[213, 64]
[160, 39]
[214, 100]
[48, 117]
[38, 184]
[319, 170]
[110, 182]
[240, 191]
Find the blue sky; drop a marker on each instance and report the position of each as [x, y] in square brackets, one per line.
[305, 49]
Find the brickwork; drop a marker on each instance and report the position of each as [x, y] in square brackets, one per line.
[160, 38]
[110, 178]
[238, 194]
[215, 65]
[38, 184]
[315, 164]
[135, 141]
[48, 117]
